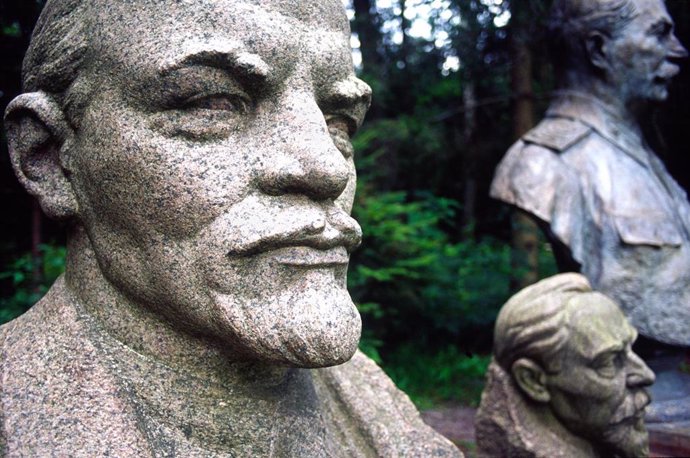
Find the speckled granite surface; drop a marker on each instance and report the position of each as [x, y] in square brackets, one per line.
[70, 390]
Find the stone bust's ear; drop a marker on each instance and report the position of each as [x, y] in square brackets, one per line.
[531, 379]
[38, 136]
[595, 44]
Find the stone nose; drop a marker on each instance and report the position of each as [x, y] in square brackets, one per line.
[302, 157]
[676, 49]
[638, 373]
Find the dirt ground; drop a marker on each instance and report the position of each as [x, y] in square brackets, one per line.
[456, 423]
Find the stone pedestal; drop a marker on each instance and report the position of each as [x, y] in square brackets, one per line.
[668, 418]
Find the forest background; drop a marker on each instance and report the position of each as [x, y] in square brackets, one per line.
[455, 83]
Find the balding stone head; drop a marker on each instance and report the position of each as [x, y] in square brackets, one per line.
[181, 123]
[199, 152]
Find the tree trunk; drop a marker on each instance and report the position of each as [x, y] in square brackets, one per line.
[525, 231]
[405, 29]
[366, 26]
[469, 100]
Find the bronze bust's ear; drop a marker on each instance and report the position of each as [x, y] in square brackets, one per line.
[595, 44]
[38, 136]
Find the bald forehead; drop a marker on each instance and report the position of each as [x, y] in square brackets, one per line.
[651, 9]
[289, 36]
[324, 14]
[311, 25]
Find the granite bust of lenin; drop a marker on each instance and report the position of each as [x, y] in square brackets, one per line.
[199, 154]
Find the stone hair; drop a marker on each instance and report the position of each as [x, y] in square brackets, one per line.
[572, 20]
[534, 323]
[57, 51]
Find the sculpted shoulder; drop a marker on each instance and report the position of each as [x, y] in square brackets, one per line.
[49, 372]
[557, 134]
[371, 416]
[532, 174]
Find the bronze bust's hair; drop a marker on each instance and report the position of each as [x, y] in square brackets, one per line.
[572, 20]
[534, 323]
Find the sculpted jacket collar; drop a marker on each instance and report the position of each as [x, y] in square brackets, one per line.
[591, 112]
[595, 114]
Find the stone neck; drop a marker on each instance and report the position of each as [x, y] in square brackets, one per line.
[212, 408]
[599, 116]
[608, 112]
[627, 113]
[147, 334]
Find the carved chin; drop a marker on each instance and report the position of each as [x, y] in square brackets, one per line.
[315, 326]
[628, 439]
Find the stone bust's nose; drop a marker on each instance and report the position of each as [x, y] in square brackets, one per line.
[301, 156]
[676, 49]
[638, 373]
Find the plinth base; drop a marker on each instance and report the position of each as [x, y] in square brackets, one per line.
[668, 416]
[672, 439]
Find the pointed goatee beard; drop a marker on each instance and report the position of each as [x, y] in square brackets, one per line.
[314, 326]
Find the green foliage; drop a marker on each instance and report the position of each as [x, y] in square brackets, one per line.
[12, 30]
[26, 290]
[412, 281]
[445, 376]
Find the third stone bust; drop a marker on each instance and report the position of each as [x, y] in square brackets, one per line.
[199, 154]
[564, 381]
[586, 173]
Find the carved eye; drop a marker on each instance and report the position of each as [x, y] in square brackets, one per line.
[219, 102]
[661, 30]
[340, 129]
[610, 364]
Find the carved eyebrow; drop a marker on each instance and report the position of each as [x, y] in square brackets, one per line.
[222, 54]
[351, 93]
[618, 347]
[610, 350]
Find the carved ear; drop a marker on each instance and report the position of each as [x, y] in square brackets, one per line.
[595, 44]
[38, 136]
[531, 379]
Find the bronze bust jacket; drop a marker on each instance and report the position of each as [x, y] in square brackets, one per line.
[603, 195]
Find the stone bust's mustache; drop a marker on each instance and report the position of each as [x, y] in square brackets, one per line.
[261, 224]
[632, 407]
[323, 233]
